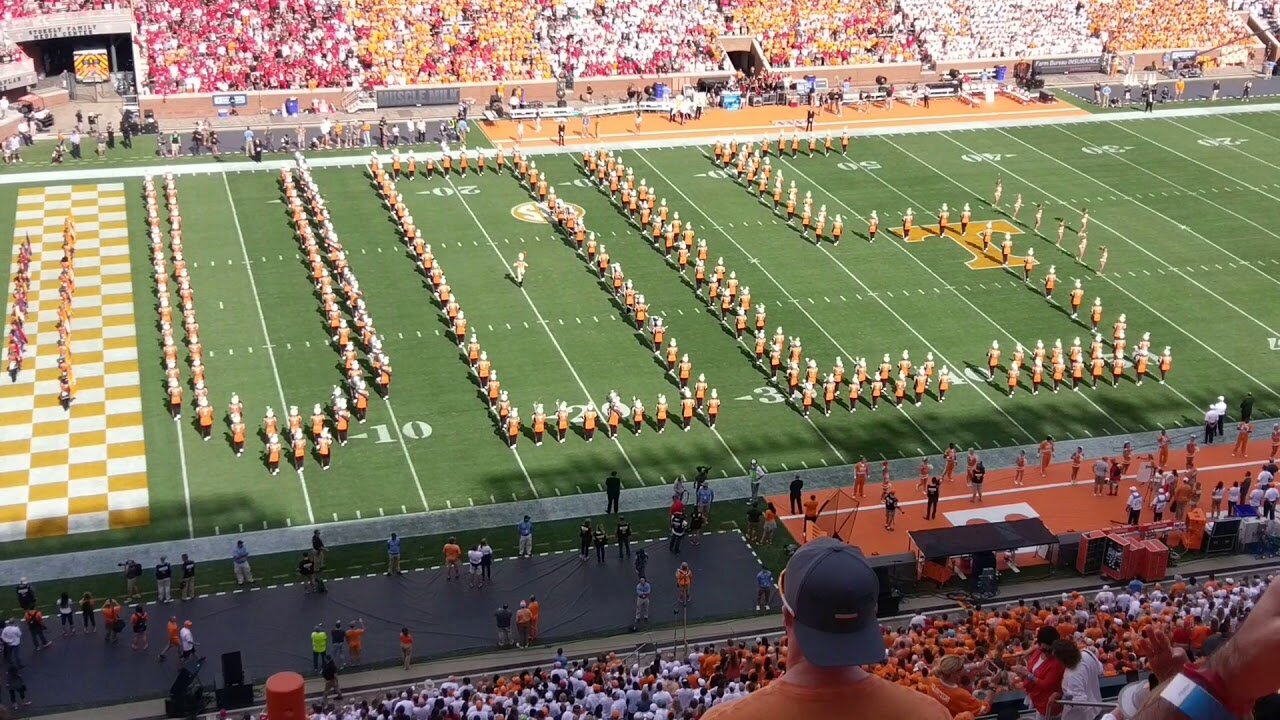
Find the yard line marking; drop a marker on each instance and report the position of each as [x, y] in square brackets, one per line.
[902, 320]
[1133, 297]
[537, 313]
[1225, 209]
[405, 449]
[186, 483]
[777, 284]
[1125, 237]
[262, 319]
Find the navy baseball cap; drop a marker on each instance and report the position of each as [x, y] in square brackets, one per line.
[832, 592]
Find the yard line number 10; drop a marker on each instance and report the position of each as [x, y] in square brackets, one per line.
[413, 430]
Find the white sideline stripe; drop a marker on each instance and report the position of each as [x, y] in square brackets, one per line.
[546, 327]
[81, 174]
[1121, 288]
[266, 338]
[1161, 145]
[790, 297]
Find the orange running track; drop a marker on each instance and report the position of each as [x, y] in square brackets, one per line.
[1062, 507]
[757, 121]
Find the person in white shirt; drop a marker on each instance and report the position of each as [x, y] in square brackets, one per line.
[1134, 504]
[187, 639]
[1269, 498]
[1160, 502]
[1210, 424]
[474, 558]
[1080, 682]
[1220, 407]
[11, 638]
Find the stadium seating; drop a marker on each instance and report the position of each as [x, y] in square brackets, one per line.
[1129, 25]
[410, 41]
[1107, 624]
[796, 33]
[12, 9]
[978, 29]
[633, 37]
[218, 45]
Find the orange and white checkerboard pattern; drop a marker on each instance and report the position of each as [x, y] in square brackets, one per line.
[84, 470]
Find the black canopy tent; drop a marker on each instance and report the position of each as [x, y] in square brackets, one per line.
[981, 537]
[980, 542]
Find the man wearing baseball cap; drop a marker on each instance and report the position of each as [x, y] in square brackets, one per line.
[829, 596]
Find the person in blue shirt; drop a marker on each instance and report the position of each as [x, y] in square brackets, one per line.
[560, 660]
[764, 589]
[526, 537]
[248, 141]
[643, 590]
[1136, 586]
[240, 562]
[704, 497]
[393, 555]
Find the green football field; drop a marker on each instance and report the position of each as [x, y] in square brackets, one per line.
[1186, 206]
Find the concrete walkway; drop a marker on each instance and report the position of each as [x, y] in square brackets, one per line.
[507, 515]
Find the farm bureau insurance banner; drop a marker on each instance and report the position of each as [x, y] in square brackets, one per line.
[1091, 63]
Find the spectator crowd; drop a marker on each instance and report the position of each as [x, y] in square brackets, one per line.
[956, 30]
[965, 662]
[222, 45]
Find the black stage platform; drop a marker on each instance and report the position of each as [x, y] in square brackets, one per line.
[272, 627]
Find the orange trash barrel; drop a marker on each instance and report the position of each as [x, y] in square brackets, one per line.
[286, 697]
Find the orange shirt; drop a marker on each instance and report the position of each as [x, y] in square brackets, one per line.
[355, 636]
[452, 553]
[872, 697]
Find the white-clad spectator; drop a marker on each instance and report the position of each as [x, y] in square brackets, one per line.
[1220, 407]
[1080, 681]
[1210, 424]
[951, 30]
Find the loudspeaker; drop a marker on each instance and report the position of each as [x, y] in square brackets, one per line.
[889, 603]
[186, 694]
[234, 697]
[186, 675]
[893, 568]
[232, 669]
[1068, 550]
[180, 683]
